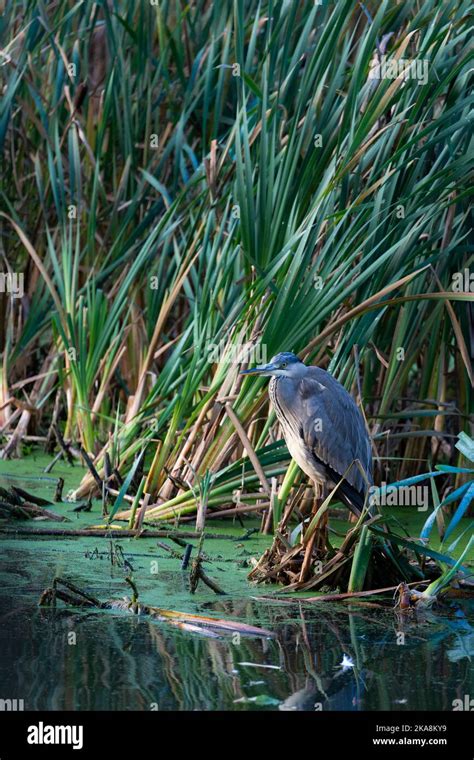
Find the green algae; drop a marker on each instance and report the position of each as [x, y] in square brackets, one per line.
[96, 563]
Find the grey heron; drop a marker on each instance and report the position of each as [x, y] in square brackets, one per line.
[323, 428]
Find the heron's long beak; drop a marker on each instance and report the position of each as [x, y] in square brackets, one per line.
[261, 369]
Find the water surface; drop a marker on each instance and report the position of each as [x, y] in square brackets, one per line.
[327, 656]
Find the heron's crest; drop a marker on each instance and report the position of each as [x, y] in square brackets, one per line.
[286, 357]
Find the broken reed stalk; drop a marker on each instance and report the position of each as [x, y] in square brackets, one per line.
[13, 510]
[65, 447]
[174, 552]
[58, 494]
[210, 582]
[249, 449]
[133, 586]
[201, 514]
[53, 462]
[345, 596]
[126, 497]
[107, 467]
[172, 512]
[267, 527]
[137, 500]
[308, 557]
[76, 590]
[91, 468]
[186, 557]
[141, 515]
[232, 511]
[29, 497]
[197, 573]
[18, 503]
[105, 485]
[108, 533]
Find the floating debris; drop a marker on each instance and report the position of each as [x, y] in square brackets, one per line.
[19, 504]
[71, 594]
[262, 699]
[347, 662]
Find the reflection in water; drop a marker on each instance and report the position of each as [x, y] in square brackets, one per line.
[325, 659]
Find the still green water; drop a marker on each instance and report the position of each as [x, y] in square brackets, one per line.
[327, 656]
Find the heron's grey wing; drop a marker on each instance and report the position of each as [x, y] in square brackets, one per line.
[333, 427]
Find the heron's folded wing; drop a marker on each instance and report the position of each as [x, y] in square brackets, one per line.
[334, 428]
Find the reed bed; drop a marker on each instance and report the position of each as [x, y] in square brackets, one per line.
[185, 185]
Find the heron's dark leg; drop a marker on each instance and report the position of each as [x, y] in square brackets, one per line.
[307, 559]
[322, 540]
[306, 503]
[318, 540]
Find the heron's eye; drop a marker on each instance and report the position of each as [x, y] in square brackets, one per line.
[283, 365]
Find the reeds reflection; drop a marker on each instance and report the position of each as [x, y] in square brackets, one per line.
[322, 659]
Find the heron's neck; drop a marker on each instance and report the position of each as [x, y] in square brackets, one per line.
[273, 393]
